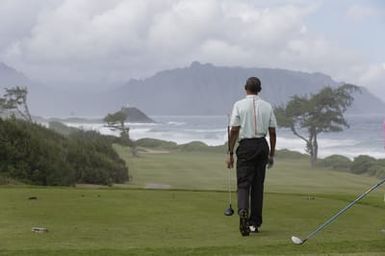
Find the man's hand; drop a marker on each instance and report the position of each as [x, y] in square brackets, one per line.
[270, 162]
[230, 161]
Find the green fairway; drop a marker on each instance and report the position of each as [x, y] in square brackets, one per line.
[187, 218]
[202, 170]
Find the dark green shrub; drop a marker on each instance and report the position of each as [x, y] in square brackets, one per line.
[34, 154]
[61, 128]
[194, 146]
[377, 170]
[362, 163]
[197, 146]
[381, 162]
[336, 162]
[5, 180]
[155, 143]
[94, 159]
[288, 154]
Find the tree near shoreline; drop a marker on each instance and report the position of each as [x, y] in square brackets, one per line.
[15, 99]
[117, 121]
[319, 113]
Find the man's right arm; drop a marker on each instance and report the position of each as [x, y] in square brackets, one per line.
[233, 135]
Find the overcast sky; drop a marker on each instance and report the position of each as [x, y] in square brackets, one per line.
[92, 44]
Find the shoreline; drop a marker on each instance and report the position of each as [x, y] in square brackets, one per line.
[364, 138]
[320, 156]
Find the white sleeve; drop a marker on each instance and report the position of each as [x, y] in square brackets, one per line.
[273, 120]
[235, 118]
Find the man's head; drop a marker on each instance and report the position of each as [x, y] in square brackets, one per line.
[253, 85]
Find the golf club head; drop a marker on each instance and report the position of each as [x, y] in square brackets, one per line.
[229, 211]
[297, 240]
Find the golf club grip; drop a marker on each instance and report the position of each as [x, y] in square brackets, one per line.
[228, 132]
[331, 219]
[228, 138]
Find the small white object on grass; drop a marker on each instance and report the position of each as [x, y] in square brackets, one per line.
[39, 229]
[296, 240]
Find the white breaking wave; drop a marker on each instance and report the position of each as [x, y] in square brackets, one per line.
[210, 130]
[176, 123]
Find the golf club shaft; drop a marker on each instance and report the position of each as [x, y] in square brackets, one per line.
[229, 185]
[343, 210]
[228, 150]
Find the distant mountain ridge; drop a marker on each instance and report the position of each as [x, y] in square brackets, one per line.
[205, 89]
[199, 89]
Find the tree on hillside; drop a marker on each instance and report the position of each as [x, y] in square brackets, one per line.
[117, 121]
[15, 99]
[319, 113]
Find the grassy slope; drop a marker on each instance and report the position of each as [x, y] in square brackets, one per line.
[173, 222]
[202, 170]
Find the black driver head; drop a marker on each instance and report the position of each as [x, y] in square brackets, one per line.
[229, 211]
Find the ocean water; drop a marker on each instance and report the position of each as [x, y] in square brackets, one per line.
[364, 137]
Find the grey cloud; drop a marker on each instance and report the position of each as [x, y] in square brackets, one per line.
[17, 18]
[94, 43]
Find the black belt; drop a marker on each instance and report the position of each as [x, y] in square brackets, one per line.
[251, 139]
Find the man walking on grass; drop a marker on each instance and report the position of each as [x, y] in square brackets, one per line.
[252, 118]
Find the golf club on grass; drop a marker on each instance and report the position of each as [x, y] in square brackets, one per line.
[299, 241]
[229, 211]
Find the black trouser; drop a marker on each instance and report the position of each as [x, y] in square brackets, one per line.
[252, 155]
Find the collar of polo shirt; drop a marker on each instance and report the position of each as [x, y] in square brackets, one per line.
[252, 96]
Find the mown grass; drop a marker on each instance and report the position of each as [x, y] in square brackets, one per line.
[203, 170]
[188, 219]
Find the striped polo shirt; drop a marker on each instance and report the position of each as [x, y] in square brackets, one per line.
[254, 116]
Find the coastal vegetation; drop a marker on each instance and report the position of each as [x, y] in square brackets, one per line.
[14, 102]
[63, 155]
[360, 165]
[34, 154]
[117, 121]
[308, 116]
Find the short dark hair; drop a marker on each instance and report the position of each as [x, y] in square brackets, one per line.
[253, 85]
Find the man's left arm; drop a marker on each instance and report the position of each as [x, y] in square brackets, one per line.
[273, 139]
